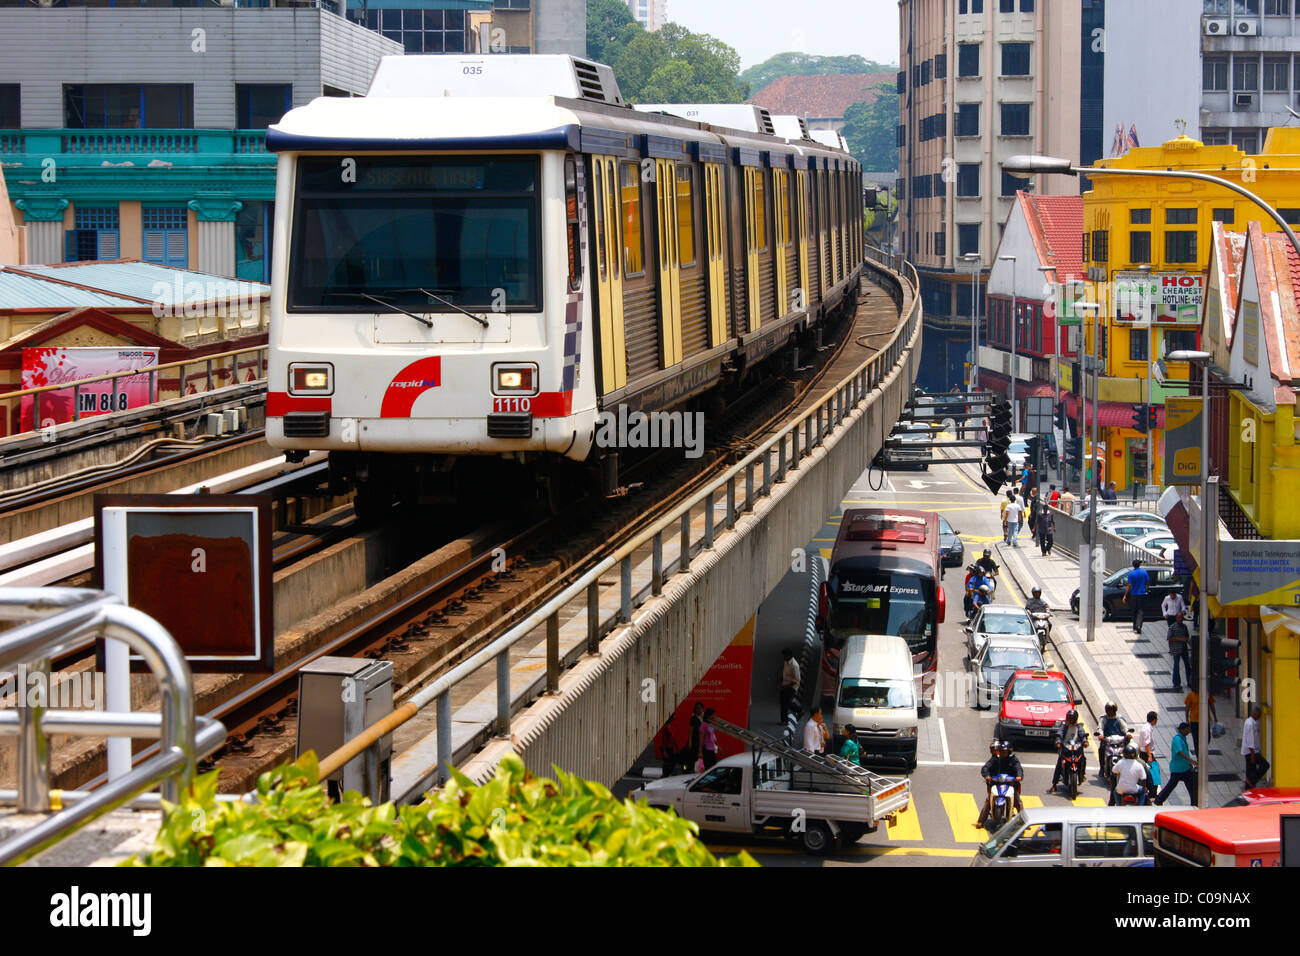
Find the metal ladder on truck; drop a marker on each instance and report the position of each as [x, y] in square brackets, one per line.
[837, 769]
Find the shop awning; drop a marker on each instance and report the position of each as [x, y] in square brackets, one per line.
[1113, 414]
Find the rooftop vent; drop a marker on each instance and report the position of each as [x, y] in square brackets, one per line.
[791, 127]
[495, 75]
[743, 116]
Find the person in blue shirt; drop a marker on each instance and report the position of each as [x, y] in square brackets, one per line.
[1182, 766]
[1135, 592]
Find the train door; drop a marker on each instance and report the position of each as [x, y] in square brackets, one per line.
[609, 272]
[781, 222]
[716, 259]
[755, 240]
[670, 291]
[801, 230]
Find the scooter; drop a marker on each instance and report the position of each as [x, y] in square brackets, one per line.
[1002, 801]
[1111, 752]
[1072, 755]
[1042, 627]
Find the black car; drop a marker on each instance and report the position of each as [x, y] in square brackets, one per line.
[952, 553]
[1161, 584]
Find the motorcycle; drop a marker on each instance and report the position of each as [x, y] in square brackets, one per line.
[1002, 801]
[1042, 627]
[1072, 755]
[1110, 753]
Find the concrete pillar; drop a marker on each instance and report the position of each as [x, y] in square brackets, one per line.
[45, 242]
[217, 248]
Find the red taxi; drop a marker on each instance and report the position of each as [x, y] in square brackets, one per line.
[1034, 703]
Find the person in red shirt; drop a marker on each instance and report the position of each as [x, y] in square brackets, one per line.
[1053, 496]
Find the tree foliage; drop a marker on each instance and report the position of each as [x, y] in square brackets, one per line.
[516, 819]
[871, 130]
[808, 64]
[671, 65]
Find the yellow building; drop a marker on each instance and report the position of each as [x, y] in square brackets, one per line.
[1146, 243]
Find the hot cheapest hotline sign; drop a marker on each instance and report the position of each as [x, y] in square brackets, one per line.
[1165, 298]
[56, 365]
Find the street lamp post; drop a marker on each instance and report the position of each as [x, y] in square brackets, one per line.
[1202, 665]
[1087, 557]
[974, 259]
[1056, 378]
[1014, 322]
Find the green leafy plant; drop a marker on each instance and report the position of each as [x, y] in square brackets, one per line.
[515, 819]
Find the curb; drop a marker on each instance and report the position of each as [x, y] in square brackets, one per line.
[1076, 667]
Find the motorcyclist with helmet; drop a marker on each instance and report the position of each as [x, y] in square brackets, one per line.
[1131, 778]
[1071, 731]
[1112, 725]
[1036, 604]
[1002, 760]
[979, 590]
[988, 565]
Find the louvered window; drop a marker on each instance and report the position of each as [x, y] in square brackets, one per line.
[94, 234]
[165, 239]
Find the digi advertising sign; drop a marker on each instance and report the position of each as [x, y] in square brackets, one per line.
[1259, 572]
[56, 365]
[725, 687]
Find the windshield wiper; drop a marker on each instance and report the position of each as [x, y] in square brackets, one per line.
[452, 305]
[386, 303]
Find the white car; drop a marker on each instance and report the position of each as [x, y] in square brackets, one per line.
[1158, 542]
[1132, 530]
[1007, 619]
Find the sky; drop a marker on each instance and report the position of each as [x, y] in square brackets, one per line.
[758, 29]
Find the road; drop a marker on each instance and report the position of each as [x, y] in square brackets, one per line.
[953, 740]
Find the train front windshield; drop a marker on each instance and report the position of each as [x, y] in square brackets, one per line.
[881, 602]
[409, 232]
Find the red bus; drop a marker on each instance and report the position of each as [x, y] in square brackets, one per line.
[1223, 836]
[885, 579]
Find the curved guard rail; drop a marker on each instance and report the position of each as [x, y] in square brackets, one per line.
[741, 486]
[56, 621]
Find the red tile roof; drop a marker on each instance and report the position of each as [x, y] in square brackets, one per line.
[822, 97]
[1056, 223]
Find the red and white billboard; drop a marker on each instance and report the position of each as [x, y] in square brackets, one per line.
[724, 687]
[55, 365]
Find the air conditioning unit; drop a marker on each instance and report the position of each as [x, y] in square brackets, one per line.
[1245, 101]
[1245, 28]
[1215, 27]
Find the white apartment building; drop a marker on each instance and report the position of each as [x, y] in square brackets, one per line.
[1250, 69]
[651, 14]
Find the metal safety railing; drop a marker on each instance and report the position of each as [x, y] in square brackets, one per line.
[213, 372]
[740, 488]
[57, 621]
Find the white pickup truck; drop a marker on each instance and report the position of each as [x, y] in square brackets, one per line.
[813, 800]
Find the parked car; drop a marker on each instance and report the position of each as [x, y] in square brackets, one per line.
[1002, 656]
[1034, 703]
[1075, 836]
[916, 434]
[1010, 619]
[952, 553]
[1132, 530]
[1160, 543]
[1161, 583]
[1114, 512]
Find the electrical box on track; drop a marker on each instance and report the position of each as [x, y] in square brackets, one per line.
[338, 698]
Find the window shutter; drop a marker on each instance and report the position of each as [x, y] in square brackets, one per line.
[177, 249]
[69, 245]
[108, 244]
[154, 246]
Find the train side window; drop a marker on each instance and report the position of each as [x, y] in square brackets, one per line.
[572, 223]
[686, 215]
[783, 199]
[759, 198]
[598, 181]
[633, 242]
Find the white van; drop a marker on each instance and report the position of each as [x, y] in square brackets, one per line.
[876, 693]
[1075, 836]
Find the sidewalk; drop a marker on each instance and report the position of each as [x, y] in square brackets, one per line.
[1133, 671]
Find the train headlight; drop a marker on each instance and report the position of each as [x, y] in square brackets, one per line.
[514, 379]
[311, 379]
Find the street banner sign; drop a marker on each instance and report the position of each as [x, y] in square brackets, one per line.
[1183, 454]
[1259, 572]
[1163, 299]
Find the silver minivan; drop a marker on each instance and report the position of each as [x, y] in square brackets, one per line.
[1075, 836]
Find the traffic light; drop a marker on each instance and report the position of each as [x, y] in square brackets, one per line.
[1223, 663]
[1140, 417]
[1060, 415]
[1074, 452]
[1151, 418]
[995, 450]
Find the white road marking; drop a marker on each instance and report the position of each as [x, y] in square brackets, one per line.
[943, 737]
[920, 485]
